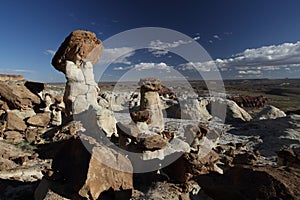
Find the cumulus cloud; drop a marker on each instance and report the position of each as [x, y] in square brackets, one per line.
[147, 66]
[117, 55]
[196, 38]
[199, 66]
[122, 68]
[49, 52]
[268, 57]
[159, 48]
[254, 61]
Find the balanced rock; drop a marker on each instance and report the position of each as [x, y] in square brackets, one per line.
[80, 46]
[150, 100]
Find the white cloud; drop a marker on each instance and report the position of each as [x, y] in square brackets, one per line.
[196, 38]
[254, 72]
[159, 48]
[122, 68]
[283, 55]
[50, 52]
[117, 55]
[254, 61]
[216, 37]
[147, 66]
[267, 58]
[199, 66]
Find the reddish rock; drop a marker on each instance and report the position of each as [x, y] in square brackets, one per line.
[79, 46]
[151, 141]
[191, 165]
[141, 116]
[150, 84]
[13, 136]
[17, 96]
[14, 123]
[89, 173]
[3, 105]
[129, 130]
[40, 119]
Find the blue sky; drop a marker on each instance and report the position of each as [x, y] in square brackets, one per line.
[245, 39]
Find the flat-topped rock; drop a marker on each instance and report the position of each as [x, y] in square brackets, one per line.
[9, 77]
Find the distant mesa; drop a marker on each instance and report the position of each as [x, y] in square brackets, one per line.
[11, 77]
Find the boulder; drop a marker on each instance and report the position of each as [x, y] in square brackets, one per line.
[151, 141]
[190, 165]
[89, 168]
[13, 136]
[80, 46]
[35, 87]
[40, 119]
[101, 177]
[17, 96]
[15, 123]
[248, 182]
[270, 112]
[141, 116]
[23, 114]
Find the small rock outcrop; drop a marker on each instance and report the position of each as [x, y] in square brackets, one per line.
[270, 112]
[150, 101]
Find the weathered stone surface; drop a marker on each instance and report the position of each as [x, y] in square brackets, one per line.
[3, 105]
[245, 182]
[40, 119]
[13, 136]
[150, 84]
[191, 165]
[15, 123]
[101, 177]
[141, 116]
[80, 46]
[107, 121]
[17, 96]
[151, 141]
[89, 173]
[23, 114]
[129, 130]
[270, 112]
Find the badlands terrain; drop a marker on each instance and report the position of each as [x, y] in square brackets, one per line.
[88, 140]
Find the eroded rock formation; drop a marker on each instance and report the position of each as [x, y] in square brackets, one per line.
[75, 58]
[150, 101]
